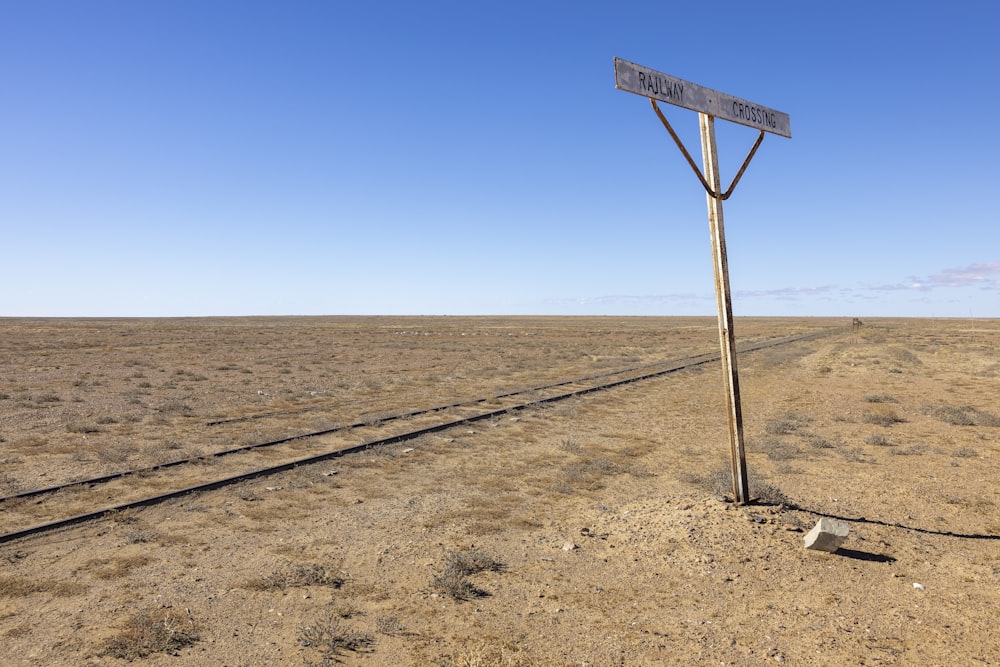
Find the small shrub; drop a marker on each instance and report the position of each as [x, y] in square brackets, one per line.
[878, 440]
[853, 454]
[882, 417]
[984, 418]
[817, 441]
[345, 610]
[915, 450]
[781, 427]
[880, 398]
[965, 453]
[453, 580]
[455, 585]
[571, 446]
[389, 625]
[82, 428]
[473, 561]
[139, 536]
[176, 408]
[117, 453]
[153, 631]
[298, 574]
[766, 493]
[954, 416]
[329, 638]
[776, 449]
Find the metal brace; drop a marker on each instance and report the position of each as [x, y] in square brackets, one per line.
[711, 193]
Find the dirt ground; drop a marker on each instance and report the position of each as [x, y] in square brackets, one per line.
[593, 531]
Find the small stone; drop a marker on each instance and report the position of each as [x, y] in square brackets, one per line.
[919, 587]
[570, 546]
[792, 528]
[827, 535]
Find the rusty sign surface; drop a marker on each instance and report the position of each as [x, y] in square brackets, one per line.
[655, 85]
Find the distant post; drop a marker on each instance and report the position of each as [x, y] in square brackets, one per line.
[710, 105]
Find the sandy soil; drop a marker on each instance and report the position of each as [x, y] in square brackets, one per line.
[591, 532]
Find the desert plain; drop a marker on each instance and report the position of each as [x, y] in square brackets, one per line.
[597, 530]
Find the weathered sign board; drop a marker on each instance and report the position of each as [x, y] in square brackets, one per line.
[649, 83]
[711, 104]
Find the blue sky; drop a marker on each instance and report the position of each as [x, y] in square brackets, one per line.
[270, 158]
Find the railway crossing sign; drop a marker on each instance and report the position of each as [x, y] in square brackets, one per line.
[711, 104]
[655, 85]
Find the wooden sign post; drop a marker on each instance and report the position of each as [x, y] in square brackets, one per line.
[710, 105]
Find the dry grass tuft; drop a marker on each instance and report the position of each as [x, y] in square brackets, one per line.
[390, 626]
[453, 580]
[116, 568]
[473, 562]
[588, 474]
[776, 449]
[954, 416]
[164, 630]
[964, 416]
[817, 441]
[83, 428]
[879, 440]
[720, 483]
[8, 484]
[781, 427]
[456, 585]
[297, 574]
[914, 450]
[882, 417]
[329, 639]
[14, 587]
[488, 653]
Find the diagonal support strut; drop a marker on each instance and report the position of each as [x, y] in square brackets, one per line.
[714, 194]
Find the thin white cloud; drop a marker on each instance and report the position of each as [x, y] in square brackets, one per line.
[784, 292]
[630, 299]
[985, 275]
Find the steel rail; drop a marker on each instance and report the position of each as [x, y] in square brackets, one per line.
[102, 479]
[679, 365]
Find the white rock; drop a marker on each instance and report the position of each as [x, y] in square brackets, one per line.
[827, 535]
[919, 587]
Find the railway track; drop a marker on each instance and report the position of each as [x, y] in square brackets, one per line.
[42, 510]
